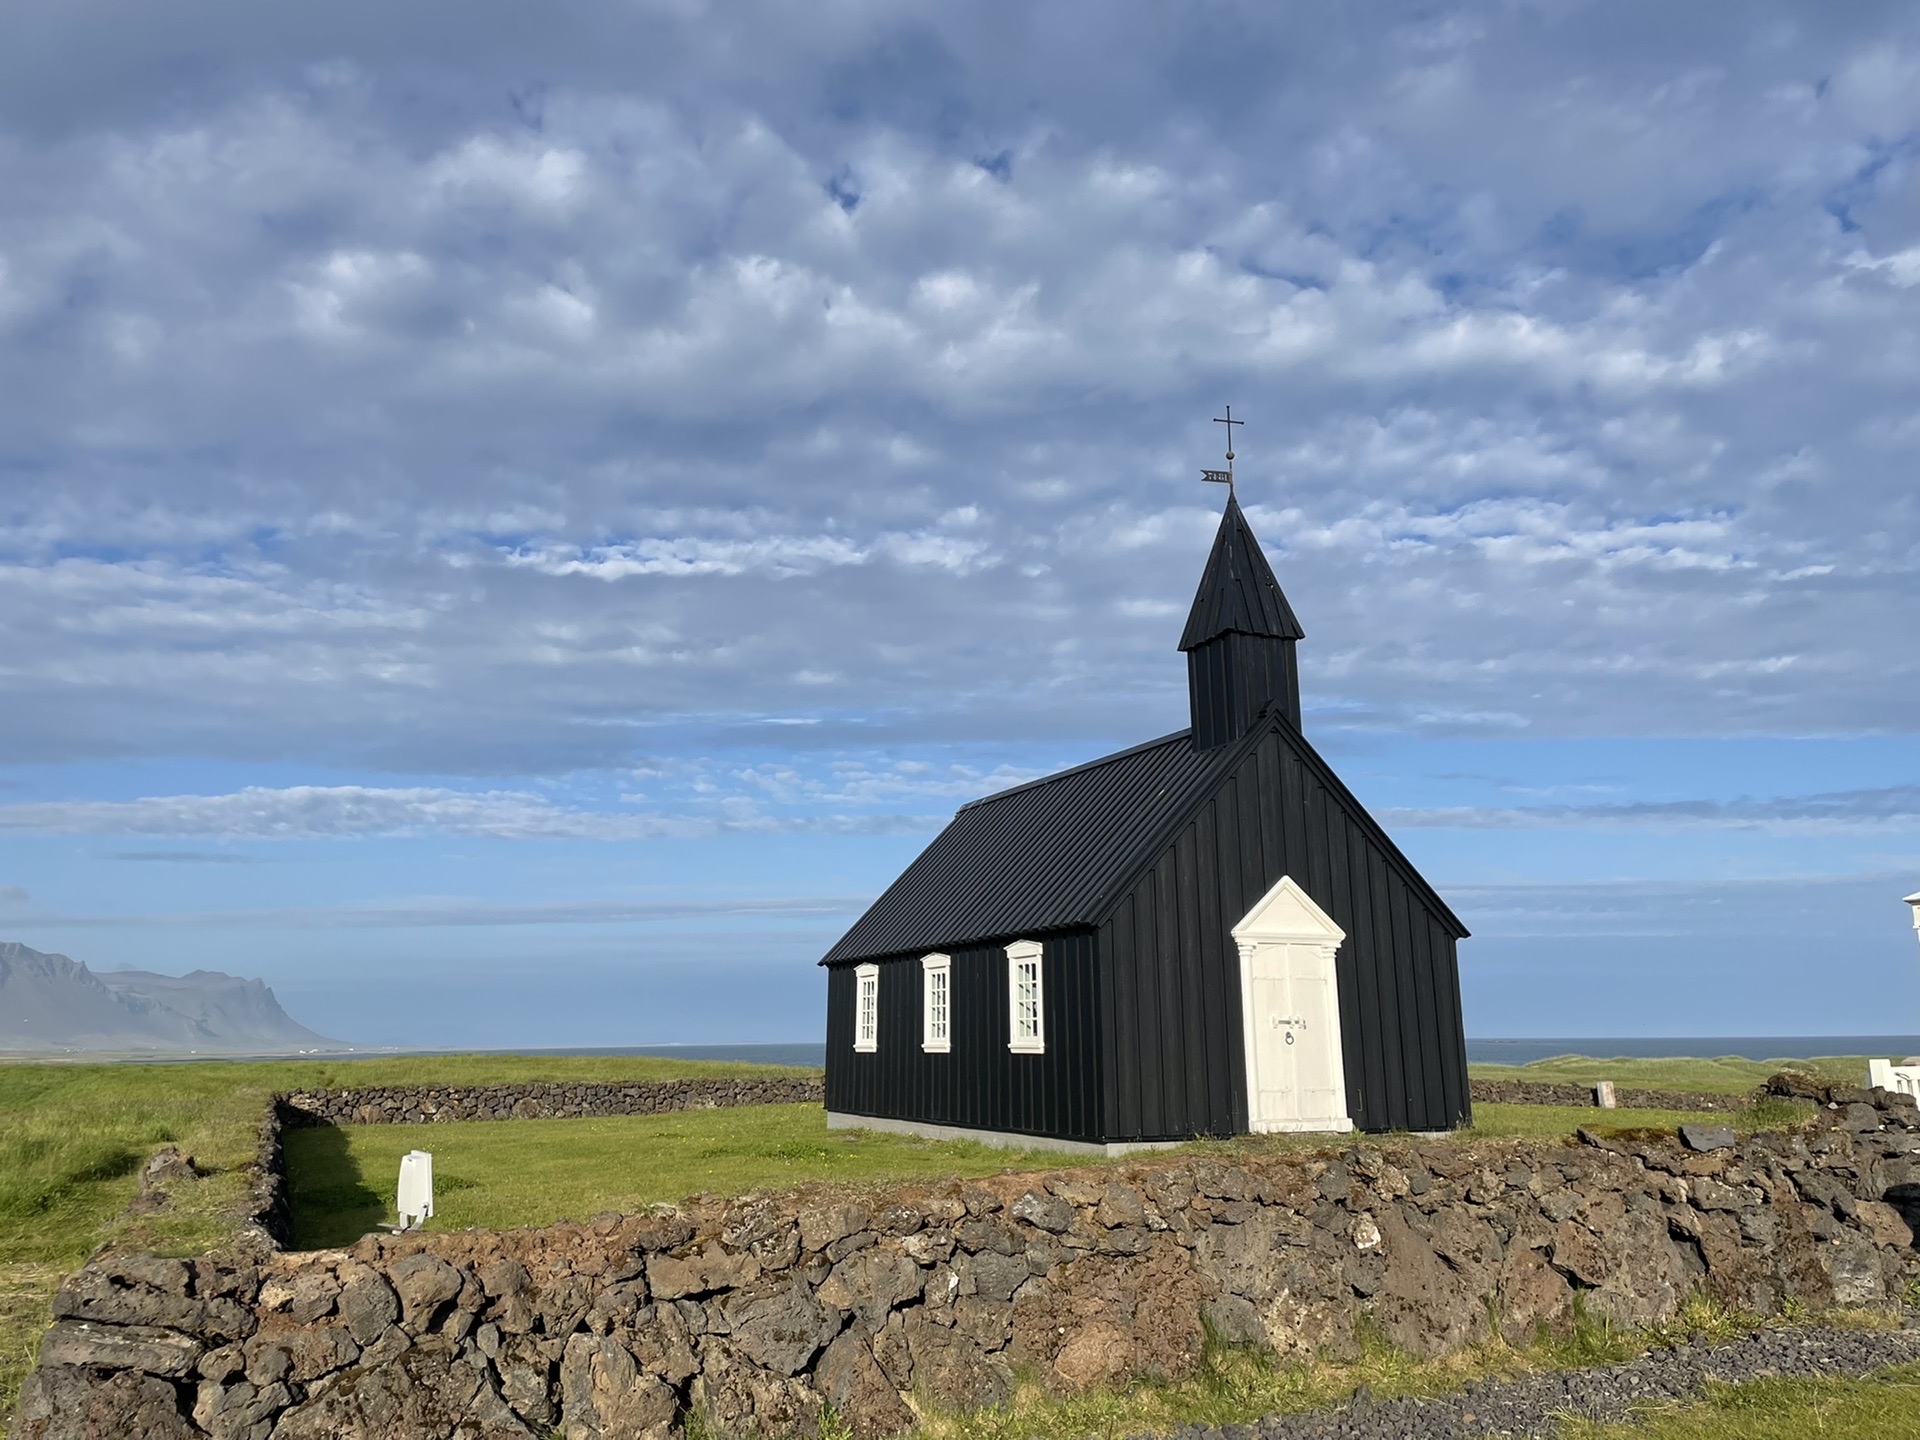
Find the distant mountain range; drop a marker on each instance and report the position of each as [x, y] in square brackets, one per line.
[48, 1002]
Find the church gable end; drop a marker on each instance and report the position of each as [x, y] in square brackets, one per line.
[1170, 981]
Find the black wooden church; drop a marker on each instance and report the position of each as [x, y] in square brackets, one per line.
[1203, 935]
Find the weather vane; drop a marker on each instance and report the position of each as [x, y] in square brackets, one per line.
[1224, 477]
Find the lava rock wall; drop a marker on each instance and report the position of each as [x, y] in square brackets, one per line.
[758, 1312]
[538, 1100]
[1549, 1092]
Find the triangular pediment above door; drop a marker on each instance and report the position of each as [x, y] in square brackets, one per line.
[1286, 912]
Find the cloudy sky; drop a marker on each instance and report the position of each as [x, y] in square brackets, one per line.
[516, 522]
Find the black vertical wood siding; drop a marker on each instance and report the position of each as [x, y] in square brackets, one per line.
[979, 1083]
[1171, 972]
[1232, 677]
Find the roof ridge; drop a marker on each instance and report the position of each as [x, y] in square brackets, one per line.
[1093, 764]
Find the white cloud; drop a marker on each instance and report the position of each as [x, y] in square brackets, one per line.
[544, 180]
[1783, 904]
[778, 556]
[855, 782]
[1887, 808]
[1902, 268]
[461, 911]
[330, 812]
[864, 356]
[870, 361]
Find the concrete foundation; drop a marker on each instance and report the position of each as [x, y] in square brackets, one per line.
[1006, 1139]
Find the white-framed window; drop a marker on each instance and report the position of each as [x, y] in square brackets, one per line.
[1026, 1003]
[936, 1004]
[866, 1008]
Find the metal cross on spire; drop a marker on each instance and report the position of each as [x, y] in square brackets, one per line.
[1224, 477]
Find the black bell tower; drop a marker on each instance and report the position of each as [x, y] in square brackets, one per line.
[1239, 640]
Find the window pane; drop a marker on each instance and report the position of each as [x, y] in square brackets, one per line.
[937, 1005]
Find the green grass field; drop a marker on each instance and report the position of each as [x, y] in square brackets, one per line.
[73, 1138]
[508, 1173]
[1726, 1074]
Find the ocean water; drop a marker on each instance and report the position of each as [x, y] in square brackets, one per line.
[1517, 1051]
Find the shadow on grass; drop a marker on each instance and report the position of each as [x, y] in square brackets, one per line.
[332, 1202]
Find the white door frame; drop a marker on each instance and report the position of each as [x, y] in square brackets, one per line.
[1287, 915]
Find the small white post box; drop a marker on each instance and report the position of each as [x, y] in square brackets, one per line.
[416, 1189]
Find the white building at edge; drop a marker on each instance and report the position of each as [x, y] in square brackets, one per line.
[1884, 1074]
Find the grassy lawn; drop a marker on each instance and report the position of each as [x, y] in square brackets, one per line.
[508, 1173]
[1881, 1407]
[1727, 1074]
[1546, 1122]
[24, 1292]
[73, 1138]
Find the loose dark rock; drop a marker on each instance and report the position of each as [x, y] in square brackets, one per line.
[1702, 1137]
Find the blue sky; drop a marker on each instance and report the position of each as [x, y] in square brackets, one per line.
[515, 524]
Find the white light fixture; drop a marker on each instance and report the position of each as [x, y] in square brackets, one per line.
[1914, 901]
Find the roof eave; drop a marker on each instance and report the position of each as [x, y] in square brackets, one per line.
[1032, 932]
[1212, 635]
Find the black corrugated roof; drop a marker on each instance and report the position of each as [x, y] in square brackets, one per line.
[1237, 590]
[1056, 852]
[1037, 857]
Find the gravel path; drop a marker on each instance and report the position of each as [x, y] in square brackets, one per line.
[1533, 1405]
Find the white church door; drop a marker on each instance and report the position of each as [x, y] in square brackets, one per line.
[1290, 1012]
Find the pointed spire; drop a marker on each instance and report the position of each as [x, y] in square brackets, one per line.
[1238, 593]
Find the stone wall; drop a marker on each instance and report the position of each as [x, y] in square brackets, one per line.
[270, 1210]
[756, 1312]
[1547, 1092]
[539, 1100]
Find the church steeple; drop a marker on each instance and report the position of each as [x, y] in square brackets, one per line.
[1239, 639]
